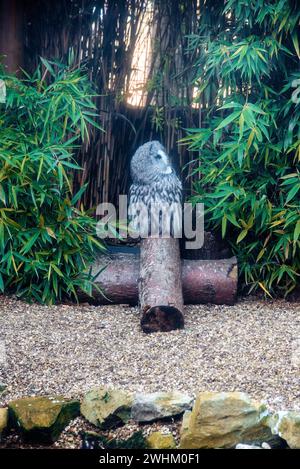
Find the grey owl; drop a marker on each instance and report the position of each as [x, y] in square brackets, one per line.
[155, 194]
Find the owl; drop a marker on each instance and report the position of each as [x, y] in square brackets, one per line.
[155, 196]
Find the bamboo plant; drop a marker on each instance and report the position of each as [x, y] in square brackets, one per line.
[46, 240]
[247, 151]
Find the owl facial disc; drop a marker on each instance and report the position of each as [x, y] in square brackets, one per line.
[150, 163]
[165, 160]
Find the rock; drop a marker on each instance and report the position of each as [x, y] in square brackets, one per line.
[3, 420]
[93, 440]
[243, 446]
[159, 440]
[185, 421]
[107, 408]
[42, 419]
[265, 445]
[222, 420]
[287, 426]
[159, 405]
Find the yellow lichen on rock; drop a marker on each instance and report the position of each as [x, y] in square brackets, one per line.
[3, 419]
[221, 420]
[107, 408]
[288, 427]
[42, 417]
[158, 440]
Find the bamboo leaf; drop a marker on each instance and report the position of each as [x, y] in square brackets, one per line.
[292, 193]
[296, 43]
[224, 225]
[241, 236]
[228, 120]
[296, 231]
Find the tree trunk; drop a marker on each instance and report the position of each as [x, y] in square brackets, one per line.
[203, 281]
[160, 288]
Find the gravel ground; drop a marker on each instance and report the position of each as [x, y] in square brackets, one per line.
[68, 350]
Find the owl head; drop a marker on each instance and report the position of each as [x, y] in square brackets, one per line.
[149, 163]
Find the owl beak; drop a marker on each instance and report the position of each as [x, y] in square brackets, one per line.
[169, 170]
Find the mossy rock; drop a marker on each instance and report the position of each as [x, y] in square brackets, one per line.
[42, 419]
[3, 420]
[158, 440]
[92, 440]
[286, 424]
[107, 408]
[222, 420]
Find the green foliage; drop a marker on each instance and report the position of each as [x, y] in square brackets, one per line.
[248, 150]
[46, 241]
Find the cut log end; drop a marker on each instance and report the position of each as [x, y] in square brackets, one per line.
[161, 319]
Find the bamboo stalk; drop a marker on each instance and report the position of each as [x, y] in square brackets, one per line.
[103, 35]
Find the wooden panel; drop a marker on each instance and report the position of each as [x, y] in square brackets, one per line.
[11, 34]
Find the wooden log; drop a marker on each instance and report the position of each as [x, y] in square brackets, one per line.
[159, 285]
[203, 281]
[119, 279]
[210, 281]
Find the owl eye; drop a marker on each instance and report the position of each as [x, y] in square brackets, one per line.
[158, 157]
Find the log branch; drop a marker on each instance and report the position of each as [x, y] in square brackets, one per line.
[203, 281]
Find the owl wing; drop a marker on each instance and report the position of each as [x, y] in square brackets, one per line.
[172, 194]
[165, 194]
[138, 202]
